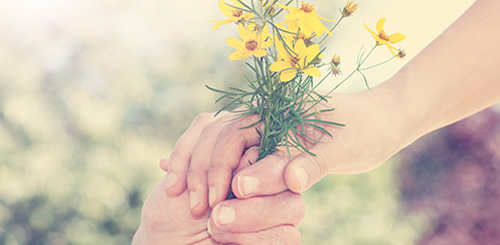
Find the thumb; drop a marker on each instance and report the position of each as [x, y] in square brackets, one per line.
[305, 170]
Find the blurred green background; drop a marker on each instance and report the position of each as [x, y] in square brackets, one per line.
[94, 93]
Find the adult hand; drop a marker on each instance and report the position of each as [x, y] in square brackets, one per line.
[374, 131]
[269, 219]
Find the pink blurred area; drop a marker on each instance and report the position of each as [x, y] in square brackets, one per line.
[454, 175]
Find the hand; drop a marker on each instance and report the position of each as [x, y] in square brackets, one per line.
[168, 220]
[267, 219]
[375, 130]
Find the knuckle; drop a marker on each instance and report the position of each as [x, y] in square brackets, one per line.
[175, 158]
[318, 165]
[203, 118]
[196, 182]
[297, 206]
[196, 174]
[208, 130]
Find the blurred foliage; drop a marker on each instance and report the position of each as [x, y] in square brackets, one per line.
[93, 94]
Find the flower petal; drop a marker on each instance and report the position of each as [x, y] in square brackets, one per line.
[282, 49]
[267, 44]
[287, 8]
[238, 4]
[244, 33]
[235, 43]
[279, 66]
[263, 33]
[288, 75]
[311, 52]
[240, 54]
[220, 23]
[372, 32]
[318, 27]
[300, 48]
[380, 25]
[306, 26]
[396, 37]
[259, 53]
[325, 19]
[247, 16]
[392, 49]
[379, 40]
[225, 8]
[312, 71]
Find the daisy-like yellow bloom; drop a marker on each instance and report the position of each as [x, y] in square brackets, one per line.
[253, 43]
[349, 8]
[308, 19]
[293, 32]
[383, 39]
[289, 63]
[234, 14]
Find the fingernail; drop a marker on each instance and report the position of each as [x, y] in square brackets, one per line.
[247, 185]
[212, 196]
[171, 180]
[209, 227]
[223, 215]
[302, 177]
[193, 199]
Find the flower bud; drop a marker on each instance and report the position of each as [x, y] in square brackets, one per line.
[349, 8]
[336, 60]
[401, 53]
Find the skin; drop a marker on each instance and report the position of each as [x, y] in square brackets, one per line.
[269, 219]
[453, 78]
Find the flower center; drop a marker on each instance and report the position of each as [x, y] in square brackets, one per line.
[251, 45]
[307, 7]
[294, 61]
[383, 36]
[237, 13]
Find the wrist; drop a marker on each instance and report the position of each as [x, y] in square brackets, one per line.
[406, 115]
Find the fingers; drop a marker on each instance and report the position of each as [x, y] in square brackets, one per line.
[285, 234]
[164, 164]
[257, 215]
[198, 169]
[230, 145]
[265, 177]
[305, 170]
[180, 158]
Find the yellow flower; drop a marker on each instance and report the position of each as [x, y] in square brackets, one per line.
[293, 33]
[254, 42]
[383, 39]
[349, 8]
[309, 21]
[298, 58]
[234, 14]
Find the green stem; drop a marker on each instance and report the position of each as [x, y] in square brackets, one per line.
[357, 69]
[381, 63]
[331, 30]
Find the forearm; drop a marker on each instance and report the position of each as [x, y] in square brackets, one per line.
[456, 76]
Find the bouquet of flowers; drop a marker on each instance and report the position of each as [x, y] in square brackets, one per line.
[281, 44]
